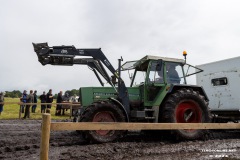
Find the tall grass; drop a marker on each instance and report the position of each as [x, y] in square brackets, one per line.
[11, 111]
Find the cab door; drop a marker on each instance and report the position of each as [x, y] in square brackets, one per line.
[155, 82]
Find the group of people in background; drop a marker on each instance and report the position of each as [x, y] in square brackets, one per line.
[33, 98]
[46, 98]
[63, 99]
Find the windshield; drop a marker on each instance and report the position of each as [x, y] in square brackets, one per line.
[139, 78]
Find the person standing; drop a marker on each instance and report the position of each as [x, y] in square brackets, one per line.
[1, 101]
[34, 101]
[49, 100]
[43, 99]
[24, 100]
[66, 98]
[30, 98]
[59, 106]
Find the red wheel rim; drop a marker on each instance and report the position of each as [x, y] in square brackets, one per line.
[103, 117]
[188, 112]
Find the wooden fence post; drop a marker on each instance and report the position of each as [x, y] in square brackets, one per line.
[45, 136]
[71, 111]
[20, 112]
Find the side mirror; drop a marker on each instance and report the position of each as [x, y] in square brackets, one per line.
[159, 65]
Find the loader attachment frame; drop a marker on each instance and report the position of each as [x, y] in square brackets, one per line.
[67, 55]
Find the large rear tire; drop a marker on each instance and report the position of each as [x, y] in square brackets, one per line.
[186, 106]
[103, 112]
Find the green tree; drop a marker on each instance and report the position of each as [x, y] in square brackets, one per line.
[13, 94]
[72, 92]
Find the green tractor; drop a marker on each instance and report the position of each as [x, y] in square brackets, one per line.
[158, 92]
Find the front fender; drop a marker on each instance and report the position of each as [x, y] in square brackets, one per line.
[121, 106]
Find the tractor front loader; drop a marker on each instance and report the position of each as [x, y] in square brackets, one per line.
[158, 91]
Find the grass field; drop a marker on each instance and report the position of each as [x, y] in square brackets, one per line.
[11, 111]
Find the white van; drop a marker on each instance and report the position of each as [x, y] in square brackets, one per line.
[221, 82]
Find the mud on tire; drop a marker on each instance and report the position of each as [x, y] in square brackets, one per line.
[185, 106]
[102, 112]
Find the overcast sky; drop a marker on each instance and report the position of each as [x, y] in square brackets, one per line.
[209, 30]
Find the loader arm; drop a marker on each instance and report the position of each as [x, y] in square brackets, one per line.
[66, 55]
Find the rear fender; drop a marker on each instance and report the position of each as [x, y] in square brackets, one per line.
[200, 89]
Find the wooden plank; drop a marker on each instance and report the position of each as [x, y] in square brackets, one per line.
[5, 103]
[69, 107]
[21, 103]
[140, 126]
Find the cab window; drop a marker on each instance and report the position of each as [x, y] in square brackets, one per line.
[156, 73]
[174, 73]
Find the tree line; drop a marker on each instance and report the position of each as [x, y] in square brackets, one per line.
[18, 94]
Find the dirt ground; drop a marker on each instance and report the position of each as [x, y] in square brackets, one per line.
[20, 139]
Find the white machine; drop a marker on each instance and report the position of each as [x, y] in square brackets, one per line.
[221, 82]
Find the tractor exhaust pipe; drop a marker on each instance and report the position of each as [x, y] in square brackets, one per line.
[185, 56]
[119, 70]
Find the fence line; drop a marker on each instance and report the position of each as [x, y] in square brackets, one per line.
[21, 103]
[47, 126]
[24, 104]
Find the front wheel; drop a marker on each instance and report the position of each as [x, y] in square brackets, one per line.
[186, 106]
[103, 112]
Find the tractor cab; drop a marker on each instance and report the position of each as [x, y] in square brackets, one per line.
[155, 75]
